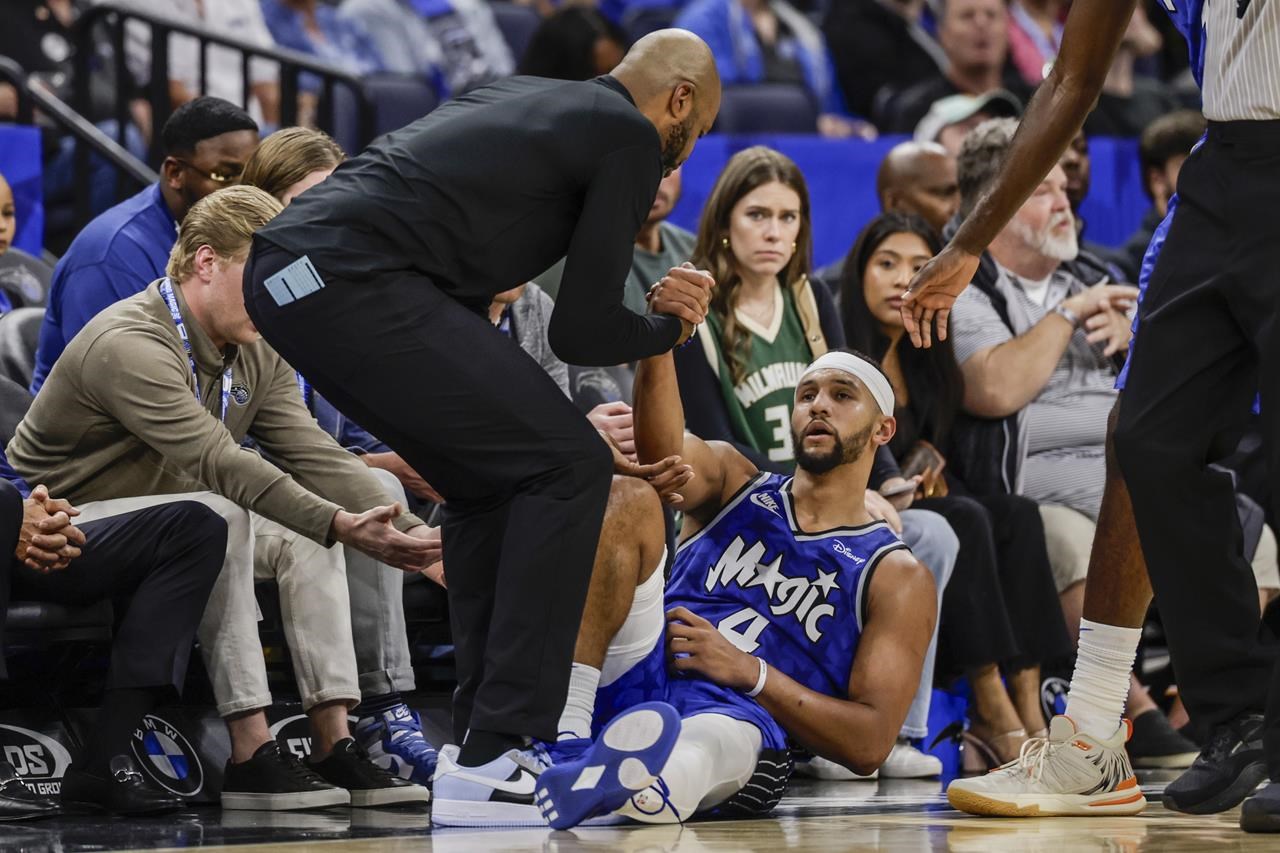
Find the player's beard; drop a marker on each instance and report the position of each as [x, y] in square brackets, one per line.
[841, 453]
[673, 145]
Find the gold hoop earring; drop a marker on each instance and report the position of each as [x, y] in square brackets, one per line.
[794, 246]
[725, 242]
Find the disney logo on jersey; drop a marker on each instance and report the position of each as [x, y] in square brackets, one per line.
[802, 597]
[766, 501]
[843, 550]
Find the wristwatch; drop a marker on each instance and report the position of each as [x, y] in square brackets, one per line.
[1067, 314]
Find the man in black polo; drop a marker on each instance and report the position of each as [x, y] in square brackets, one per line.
[375, 285]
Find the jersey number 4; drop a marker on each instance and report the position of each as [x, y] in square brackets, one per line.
[747, 639]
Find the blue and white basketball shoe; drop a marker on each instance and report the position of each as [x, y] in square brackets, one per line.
[395, 742]
[625, 760]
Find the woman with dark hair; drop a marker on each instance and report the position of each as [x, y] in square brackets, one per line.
[576, 43]
[1000, 611]
[766, 322]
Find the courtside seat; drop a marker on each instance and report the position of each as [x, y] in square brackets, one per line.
[36, 623]
[19, 332]
[25, 278]
[39, 623]
[14, 402]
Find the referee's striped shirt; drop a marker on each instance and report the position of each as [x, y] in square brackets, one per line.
[1242, 59]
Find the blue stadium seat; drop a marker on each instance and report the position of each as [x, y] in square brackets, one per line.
[518, 24]
[642, 21]
[767, 108]
[398, 99]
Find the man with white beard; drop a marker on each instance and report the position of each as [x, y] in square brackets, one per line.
[1036, 342]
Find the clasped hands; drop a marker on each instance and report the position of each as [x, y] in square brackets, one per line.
[48, 541]
[683, 293]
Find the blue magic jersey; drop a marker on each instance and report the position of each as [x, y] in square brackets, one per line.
[1187, 16]
[795, 599]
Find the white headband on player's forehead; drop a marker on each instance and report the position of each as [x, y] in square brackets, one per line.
[864, 370]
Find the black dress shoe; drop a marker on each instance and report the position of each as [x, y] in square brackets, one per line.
[1229, 768]
[125, 791]
[18, 802]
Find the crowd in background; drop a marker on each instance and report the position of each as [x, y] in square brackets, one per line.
[997, 466]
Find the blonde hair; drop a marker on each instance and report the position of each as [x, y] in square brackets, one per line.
[289, 155]
[224, 221]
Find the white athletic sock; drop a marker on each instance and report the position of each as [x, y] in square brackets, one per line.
[580, 704]
[1100, 683]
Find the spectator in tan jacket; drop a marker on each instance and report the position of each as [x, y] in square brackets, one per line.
[150, 402]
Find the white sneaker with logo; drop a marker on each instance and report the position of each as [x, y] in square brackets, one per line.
[499, 793]
[907, 762]
[826, 769]
[1066, 774]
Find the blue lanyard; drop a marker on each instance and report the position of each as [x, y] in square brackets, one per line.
[308, 396]
[166, 293]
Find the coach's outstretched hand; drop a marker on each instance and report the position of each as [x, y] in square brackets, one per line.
[685, 293]
[932, 293]
[373, 533]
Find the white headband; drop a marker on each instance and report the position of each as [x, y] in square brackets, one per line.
[864, 370]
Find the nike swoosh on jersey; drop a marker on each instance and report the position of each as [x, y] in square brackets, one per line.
[765, 503]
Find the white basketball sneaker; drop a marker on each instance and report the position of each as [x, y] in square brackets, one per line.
[499, 793]
[1067, 773]
[907, 762]
[818, 767]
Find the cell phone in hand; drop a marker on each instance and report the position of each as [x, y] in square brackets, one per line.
[900, 489]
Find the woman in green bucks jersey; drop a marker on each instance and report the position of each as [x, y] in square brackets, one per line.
[767, 321]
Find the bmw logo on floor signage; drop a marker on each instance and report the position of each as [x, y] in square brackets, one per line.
[39, 759]
[167, 757]
[1053, 695]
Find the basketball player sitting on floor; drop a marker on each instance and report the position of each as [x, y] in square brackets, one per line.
[790, 616]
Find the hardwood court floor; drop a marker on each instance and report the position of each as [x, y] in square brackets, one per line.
[858, 816]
